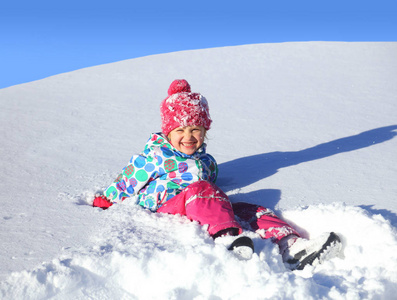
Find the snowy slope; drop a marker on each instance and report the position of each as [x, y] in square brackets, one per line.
[307, 129]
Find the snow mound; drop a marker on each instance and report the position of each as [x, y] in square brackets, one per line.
[305, 129]
[142, 255]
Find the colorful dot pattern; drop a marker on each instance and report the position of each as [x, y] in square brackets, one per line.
[160, 172]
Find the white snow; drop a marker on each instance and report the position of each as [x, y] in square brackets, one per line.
[306, 129]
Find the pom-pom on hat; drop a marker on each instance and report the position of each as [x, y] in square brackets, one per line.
[183, 108]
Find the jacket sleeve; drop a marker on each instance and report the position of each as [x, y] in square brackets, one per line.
[133, 178]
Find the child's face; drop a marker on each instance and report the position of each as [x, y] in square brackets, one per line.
[187, 139]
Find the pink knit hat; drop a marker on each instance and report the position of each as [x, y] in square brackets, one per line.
[183, 108]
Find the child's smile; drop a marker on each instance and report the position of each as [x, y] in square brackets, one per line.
[187, 139]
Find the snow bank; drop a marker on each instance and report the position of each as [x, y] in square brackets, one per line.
[141, 255]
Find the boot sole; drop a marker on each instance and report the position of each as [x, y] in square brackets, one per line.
[329, 250]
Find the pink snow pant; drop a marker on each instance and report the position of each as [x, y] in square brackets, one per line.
[207, 204]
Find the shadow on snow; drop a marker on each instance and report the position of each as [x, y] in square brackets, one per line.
[244, 171]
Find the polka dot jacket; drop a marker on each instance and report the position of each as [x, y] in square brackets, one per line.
[160, 172]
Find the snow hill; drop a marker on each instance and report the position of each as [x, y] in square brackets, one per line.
[306, 129]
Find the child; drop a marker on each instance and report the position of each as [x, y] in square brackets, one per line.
[175, 175]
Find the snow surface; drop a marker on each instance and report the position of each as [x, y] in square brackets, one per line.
[306, 129]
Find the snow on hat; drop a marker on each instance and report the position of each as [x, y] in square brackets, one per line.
[183, 108]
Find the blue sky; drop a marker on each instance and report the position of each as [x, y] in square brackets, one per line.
[47, 37]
